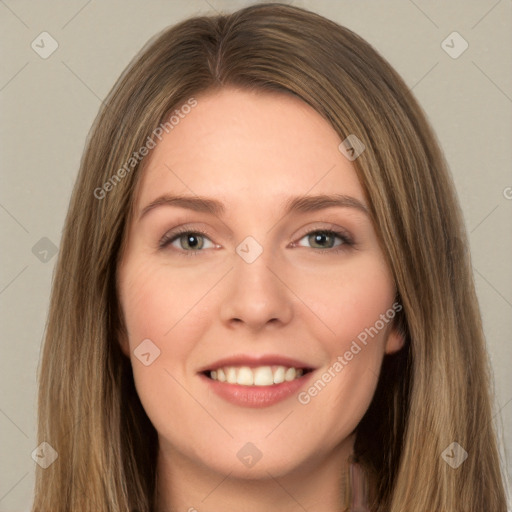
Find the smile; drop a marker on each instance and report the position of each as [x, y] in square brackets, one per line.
[257, 387]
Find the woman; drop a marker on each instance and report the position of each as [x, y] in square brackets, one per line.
[264, 373]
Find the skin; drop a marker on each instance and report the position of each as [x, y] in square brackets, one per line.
[253, 150]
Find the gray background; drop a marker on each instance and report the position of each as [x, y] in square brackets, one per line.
[48, 106]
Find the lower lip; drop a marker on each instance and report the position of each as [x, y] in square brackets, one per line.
[256, 396]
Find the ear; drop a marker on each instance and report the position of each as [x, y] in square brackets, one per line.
[122, 339]
[395, 340]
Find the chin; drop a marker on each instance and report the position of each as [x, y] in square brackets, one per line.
[248, 460]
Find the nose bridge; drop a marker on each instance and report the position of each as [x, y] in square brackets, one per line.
[256, 295]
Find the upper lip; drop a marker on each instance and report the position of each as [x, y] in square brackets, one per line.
[252, 361]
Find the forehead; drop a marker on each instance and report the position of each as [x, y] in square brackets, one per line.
[249, 147]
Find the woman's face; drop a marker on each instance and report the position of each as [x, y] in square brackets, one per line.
[263, 291]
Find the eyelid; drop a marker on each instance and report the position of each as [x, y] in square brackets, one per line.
[174, 234]
[320, 226]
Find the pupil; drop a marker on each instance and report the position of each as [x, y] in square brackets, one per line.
[320, 238]
[192, 237]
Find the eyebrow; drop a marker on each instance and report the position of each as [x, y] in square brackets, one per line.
[300, 204]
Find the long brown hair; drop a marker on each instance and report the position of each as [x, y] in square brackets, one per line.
[433, 392]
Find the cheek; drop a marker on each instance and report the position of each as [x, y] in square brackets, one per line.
[156, 303]
[350, 299]
[154, 309]
[165, 306]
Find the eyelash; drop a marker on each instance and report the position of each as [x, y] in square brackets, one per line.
[168, 238]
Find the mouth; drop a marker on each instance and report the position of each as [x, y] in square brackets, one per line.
[256, 380]
[265, 375]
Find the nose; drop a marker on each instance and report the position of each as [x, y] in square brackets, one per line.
[257, 294]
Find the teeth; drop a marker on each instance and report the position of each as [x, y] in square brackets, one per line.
[231, 375]
[245, 376]
[263, 376]
[260, 376]
[290, 374]
[279, 375]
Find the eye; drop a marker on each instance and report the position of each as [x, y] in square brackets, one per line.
[326, 237]
[189, 241]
